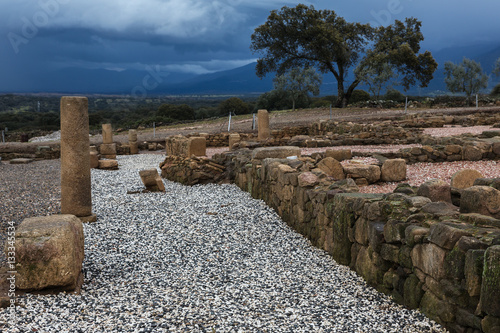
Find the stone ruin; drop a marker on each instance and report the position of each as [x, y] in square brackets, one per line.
[435, 247]
[49, 250]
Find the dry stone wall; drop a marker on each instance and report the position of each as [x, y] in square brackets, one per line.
[430, 255]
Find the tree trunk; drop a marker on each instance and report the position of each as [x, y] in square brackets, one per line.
[293, 104]
[341, 103]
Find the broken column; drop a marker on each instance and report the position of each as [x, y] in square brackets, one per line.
[76, 196]
[263, 124]
[132, 142]
[152, 180]
[233, 138]
[107, 148]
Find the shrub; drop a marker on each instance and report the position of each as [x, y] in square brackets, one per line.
[394, 95]
[359, 95]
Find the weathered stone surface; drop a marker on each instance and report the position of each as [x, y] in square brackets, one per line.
[414, 234]
[474, 263]
[152, 180]
[332, 168]
[134, 148]
[446, 235]
[275, 152]
[375, 235]
[394, 231]
[436, 190]
[429, 258]
[481, 199]
[493, 182]
[94, 160]
[371, 269]
[370, 172]
[339, 154]
[108, 149]
[465, 178]
[197, 146]
[108, 164]
[263, 124]
[389, 252]
[418, 201]
[393, 170]
[233, 138]
[472, 153]
[490, 324]
[132, 135]
[490, 288]
[440, 209]
[308, 179]
[412, 292]
[49, 252]
[433, 307]
[107, 134]
[76, 197]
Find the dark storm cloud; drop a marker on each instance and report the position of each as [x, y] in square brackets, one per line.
[192, 36]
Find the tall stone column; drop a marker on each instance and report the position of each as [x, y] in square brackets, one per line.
[132, 141]
[76, 195]
[263, 124]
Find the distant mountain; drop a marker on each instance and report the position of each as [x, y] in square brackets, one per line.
[241, 80]
[237, 81]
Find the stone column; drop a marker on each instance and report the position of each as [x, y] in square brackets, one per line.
[233, 138]
[76, 196]
[107, 134]
[107, 148]
[132, 141]
[263, 124]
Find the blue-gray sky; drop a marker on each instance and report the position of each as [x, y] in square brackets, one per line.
[192, 36]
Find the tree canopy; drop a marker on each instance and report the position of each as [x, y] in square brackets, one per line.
[298, 82]
[305, 37]
[467, 77]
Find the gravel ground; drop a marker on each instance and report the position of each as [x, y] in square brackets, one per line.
[203, 259]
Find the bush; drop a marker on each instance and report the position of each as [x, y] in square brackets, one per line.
[495, 92]
[359, 95]
[394, 95]
[233, 104]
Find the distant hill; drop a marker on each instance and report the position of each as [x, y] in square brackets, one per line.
[237, 81]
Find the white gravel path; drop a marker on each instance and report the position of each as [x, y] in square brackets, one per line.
[204, 259]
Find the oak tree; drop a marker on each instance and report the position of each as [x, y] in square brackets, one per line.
[467, 77]
[305, 37]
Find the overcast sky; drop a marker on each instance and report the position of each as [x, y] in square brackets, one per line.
[195, 36]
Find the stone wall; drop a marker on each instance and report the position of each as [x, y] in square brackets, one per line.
[427, 255]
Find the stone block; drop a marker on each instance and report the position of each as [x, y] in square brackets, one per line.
[339, 154]
[394, 231]
[107, 134]
[332, 168]
[233, 138]
[132, 135]
[436, 190]
[472, 153]
[446, 235]
[393, 170]
[275, 152]
[49, 252]
[134, 148]
[433, 307]
[94, 160]
[474, 263]
[263, 125]
[21, 160]
[465, 178]
[308, 179]
[197, 146]
[370, 172]
[413, 292]
[429, 258]
[108, 149]
[152, 180]
[108, 164]
[483, 200]
[490, 287]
